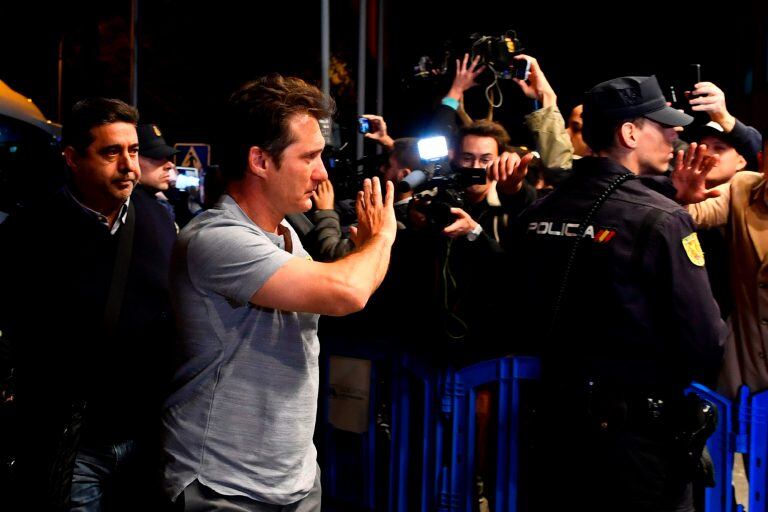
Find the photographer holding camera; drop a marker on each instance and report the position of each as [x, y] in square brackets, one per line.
[464, 240]
[489, 205]
[546, 123]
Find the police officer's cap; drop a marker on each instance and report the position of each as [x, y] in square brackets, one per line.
[630, 97]
[152, 144]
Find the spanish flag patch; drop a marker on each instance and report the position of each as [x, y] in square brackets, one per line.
[604, 235]
[693, 249]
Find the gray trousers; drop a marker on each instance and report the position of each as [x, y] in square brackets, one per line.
[199, 498]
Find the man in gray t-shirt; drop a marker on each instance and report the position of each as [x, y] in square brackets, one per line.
[238, 427]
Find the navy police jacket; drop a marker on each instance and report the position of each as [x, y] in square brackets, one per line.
[638, 313]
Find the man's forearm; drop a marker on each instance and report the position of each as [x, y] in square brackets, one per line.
[364, 269]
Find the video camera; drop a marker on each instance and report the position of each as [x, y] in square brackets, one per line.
[496, 52]
[439, 186]
[346, 173]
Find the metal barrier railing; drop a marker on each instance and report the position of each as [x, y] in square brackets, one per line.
[432, 452]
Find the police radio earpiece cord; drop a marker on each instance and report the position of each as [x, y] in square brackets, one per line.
[612, 186]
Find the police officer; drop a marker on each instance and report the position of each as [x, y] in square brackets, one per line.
[620, 310]
[157, 169]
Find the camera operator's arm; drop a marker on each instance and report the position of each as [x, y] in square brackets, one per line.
[444, 120]
[379, 131]
[466, 74]
[536, 86]
[325, 240]
[747, 141]
[546, 124]
[462, 226]
[324, 196]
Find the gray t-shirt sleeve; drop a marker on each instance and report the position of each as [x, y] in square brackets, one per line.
[234, 261]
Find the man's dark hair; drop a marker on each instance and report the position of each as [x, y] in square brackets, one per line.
[406, 152]
[600, 133]
[484, 128]
[92, 112]
[258, 114]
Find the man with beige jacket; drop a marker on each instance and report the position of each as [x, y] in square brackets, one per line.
[742, 206]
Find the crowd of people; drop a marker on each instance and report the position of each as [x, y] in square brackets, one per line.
[177, 368]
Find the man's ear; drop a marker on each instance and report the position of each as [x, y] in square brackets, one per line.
[627, 135]
[258, 161]
[70, 155]
[741, 162]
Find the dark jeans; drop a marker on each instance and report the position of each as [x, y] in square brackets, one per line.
[113, 477]
[199, 498]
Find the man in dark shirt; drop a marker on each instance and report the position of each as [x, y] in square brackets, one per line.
[86, 312]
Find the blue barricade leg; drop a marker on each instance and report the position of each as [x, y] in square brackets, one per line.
[758, 452]
[721, 446]
[505, 376]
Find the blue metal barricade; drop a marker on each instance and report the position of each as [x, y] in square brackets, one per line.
[758, 451]
[414, 469]
[349, 459]
[508, 374]
[433, 453]
[722, 447]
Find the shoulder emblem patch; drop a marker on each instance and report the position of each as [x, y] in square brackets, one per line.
[693, 249]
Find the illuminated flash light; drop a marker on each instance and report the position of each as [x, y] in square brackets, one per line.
[433, 148]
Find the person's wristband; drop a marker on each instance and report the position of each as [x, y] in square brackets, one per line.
[451, 102]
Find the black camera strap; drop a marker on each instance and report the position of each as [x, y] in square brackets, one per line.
[610, 189]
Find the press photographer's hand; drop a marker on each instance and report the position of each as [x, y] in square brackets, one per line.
[379, 131]
[466, 76]
[463, 224]
[536, 86]
[324, 196]
[709, 98]
[509, 170]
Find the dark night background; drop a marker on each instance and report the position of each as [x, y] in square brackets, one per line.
[194, 53]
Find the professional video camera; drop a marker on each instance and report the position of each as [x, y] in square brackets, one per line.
[346, 173]
[439, 186]
[496, 52]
